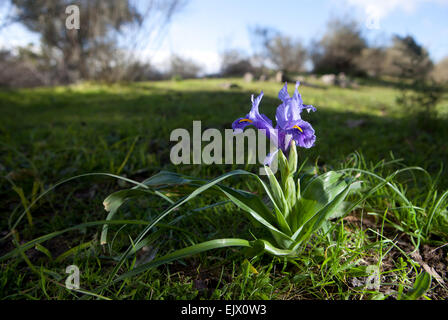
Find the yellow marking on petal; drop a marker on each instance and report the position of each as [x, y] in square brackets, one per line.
[245, 120]
[300, 129]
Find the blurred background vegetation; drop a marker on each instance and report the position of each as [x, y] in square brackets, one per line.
[96, 51]
[109, 49]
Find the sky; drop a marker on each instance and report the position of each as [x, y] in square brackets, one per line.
[205, 28]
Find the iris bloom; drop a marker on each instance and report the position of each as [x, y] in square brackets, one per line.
[290, 125]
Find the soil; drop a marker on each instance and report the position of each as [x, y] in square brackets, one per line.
[431, 259]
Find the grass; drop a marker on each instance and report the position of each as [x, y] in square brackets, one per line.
[52, 134]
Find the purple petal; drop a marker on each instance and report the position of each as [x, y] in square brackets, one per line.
[283, 93]
[286, 112]
[264, 123]
[297, 97]
[255, 118]
[304, 136]
[241, 123]
[284, 139]
[308, 108]
[255, 103]
[269, 158]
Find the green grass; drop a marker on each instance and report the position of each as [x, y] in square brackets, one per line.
[51, 134]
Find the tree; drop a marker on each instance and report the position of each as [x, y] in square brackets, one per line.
[440, 71]
[407, 59]
[287, 55]
[21, 70]
[235, 63]
[419, 95]
[260, 38]
[339, 48]
[371, 61]
[184, 68]
[282, 52]
[85, 52]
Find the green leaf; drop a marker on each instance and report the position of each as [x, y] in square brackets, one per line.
[290, 192]
[25, 203]
[277, 192]
[167, 178]
[44, 250]
[73, 251]
[113, 202]
[243, 203]
[269, 248]
[299, 191]
[316, 221]
[196, 192]
[283, 165]
[127, 156]
[292, 158]
[252, 203]
[185, 252]
[435, 209]
[30, 244]
[316, 194]
[421, 285]
[94, 174]
[341, 209]
[247, 201]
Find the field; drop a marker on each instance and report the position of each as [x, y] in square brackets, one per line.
[48, 135]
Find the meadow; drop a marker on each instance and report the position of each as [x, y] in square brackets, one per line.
[48, 135]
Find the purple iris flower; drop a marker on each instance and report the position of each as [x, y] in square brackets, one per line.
[255, 118]
[290, 125]
[289, 122]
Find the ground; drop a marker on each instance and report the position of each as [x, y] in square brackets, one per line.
[51, 134]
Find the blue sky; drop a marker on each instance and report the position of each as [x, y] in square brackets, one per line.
[207, 27]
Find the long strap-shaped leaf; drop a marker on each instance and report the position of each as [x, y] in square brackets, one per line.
[235, 198]
[315, 195]
[114, 201]
[185, 252]
[30, 244]
[316, 221]
[252, 204]
[178, 204]
[15, 224]
[421, 285]
[167, 179]
[433, 211]
[206, 246]
[269, 248]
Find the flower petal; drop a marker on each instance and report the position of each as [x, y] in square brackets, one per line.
[303, 133]
[255, 103]
[308, 108]
[284, 139]
[255, 118]
[241, 123]
[297, 97]
[283, 93]
[270, 157]
[287, 112]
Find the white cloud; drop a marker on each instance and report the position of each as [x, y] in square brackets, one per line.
[382, 8]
